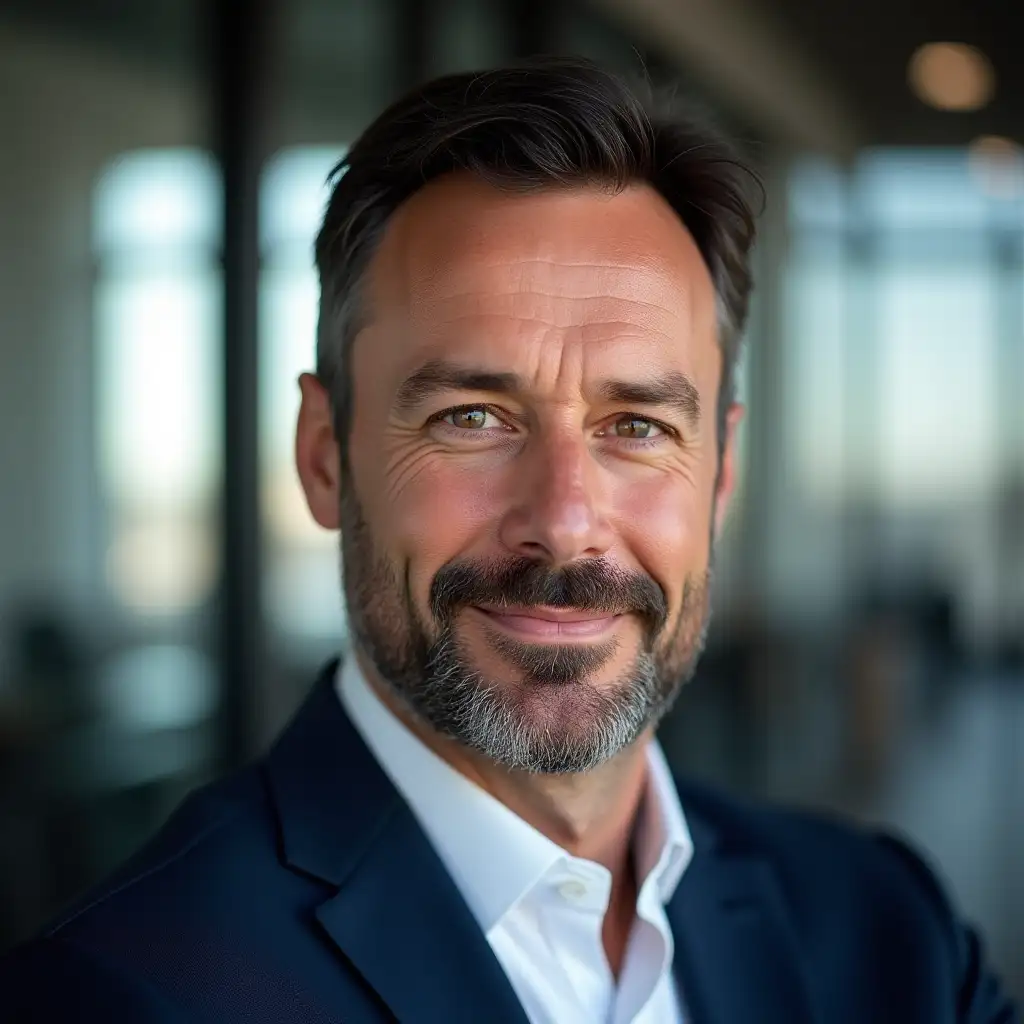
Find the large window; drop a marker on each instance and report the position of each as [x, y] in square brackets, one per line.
[895, 283]
[156, 223]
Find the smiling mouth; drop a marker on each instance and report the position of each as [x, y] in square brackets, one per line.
[550, 623]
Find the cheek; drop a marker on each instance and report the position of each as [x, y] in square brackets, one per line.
[435, 518]
[666, 525]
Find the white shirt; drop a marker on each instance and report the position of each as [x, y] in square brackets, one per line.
[540, 908]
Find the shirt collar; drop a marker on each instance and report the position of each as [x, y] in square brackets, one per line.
[493, 855]
[662, 842]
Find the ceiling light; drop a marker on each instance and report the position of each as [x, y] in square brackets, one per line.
[951, 76]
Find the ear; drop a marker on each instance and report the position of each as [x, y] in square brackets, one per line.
[726, 484]
[317, 455]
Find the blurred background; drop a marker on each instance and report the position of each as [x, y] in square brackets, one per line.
[164, 598]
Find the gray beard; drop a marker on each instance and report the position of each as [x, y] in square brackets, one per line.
[552, 720]
[494, 720]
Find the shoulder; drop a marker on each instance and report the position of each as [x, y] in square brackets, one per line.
[787, 834]
[205, 922]
[190, 887]
[210, 839]
[858, 894]
[813, 850]
[93, 955]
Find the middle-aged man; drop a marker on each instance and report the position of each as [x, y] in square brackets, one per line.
[523, 424]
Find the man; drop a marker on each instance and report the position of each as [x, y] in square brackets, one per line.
[523, 424]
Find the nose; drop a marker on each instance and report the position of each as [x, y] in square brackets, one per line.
[559, 513]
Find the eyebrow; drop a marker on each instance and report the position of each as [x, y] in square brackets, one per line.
[674, 390]
[440, 375]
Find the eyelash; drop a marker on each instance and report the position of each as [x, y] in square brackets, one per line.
[638, 443]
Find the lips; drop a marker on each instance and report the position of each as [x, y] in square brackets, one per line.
[560, 623]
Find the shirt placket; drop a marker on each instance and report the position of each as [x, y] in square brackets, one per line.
[573, 909]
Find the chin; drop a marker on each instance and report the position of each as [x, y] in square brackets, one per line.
[560, 707]
[548, 716]
[565, 729]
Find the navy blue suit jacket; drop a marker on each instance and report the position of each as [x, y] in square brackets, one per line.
[302, 889]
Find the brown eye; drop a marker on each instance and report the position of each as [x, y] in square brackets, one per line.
[635, 428]
[470, 418]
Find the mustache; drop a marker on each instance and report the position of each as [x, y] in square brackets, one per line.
[594, 584]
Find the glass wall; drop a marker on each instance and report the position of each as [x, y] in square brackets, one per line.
[902, 320]
[156, 229]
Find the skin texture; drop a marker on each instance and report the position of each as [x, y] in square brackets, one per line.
[545, 474]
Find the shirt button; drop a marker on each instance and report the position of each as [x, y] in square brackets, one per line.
[572, 890]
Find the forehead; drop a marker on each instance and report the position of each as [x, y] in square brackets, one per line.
[584, 265]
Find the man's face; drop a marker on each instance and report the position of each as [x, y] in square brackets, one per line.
[530, 500]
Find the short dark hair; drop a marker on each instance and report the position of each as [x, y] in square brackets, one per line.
[546, 122]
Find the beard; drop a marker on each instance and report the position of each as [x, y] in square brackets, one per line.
[552, 718]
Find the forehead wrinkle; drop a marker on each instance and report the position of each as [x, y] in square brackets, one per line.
[631, 300]
[561, 311]
[573, 295]
[591, 334]
[591, 279]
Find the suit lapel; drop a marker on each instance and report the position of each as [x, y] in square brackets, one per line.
[400, 920]
[736, 955]
[397, 915]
